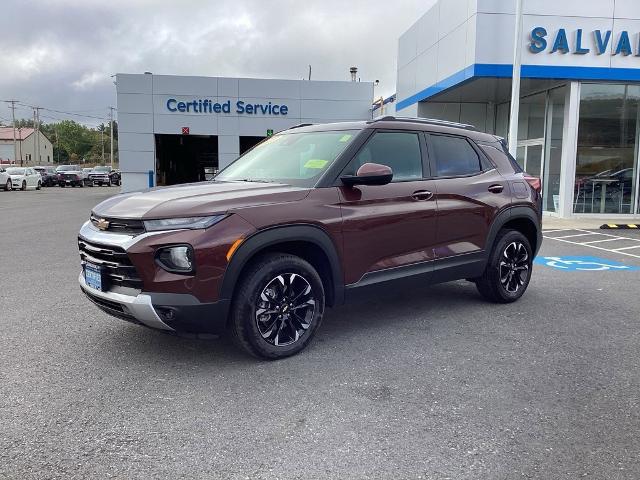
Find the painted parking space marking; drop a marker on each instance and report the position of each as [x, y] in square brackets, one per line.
[576, 234]
[626, 248]
[583, 264]
[605, 240]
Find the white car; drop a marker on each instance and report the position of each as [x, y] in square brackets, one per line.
[25, 178]
[5, 180]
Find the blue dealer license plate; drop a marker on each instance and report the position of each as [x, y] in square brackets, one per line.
[93, 276]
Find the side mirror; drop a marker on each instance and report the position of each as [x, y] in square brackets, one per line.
[369, 174]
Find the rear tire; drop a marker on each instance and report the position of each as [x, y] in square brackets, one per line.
[508, 272]
[277, 307]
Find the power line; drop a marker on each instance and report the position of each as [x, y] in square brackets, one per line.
[64, 112]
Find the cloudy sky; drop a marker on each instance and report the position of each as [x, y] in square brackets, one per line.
[60, 54]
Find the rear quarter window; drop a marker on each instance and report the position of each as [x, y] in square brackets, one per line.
[501, 158]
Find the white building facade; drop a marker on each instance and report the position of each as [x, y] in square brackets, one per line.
[31, 147]
[579, 121]
[176, 129]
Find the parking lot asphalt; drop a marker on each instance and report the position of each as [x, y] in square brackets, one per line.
[414, 383]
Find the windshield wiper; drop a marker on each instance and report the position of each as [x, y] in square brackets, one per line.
[252, 180]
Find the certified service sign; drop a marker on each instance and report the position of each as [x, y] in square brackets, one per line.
[240, 107]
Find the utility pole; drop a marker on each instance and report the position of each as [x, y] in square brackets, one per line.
[111, 133]
[102, 141]
[13, 118]
[36, 113]
[515, 82]
[35, 136]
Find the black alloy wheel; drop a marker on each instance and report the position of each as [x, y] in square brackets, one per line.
[508, 271]
[277, 306]
[285, 308]
[514, 266]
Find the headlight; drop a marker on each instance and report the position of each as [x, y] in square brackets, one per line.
[192, 223]
[176, 259]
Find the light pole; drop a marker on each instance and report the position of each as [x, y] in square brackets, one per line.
[515, 82]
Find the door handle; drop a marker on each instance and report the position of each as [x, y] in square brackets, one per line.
[422, 195]
[497, 188]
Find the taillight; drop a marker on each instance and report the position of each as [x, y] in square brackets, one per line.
[534, 182]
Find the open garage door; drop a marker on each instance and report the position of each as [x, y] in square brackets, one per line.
[185, 158]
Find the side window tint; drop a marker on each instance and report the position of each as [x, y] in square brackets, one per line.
[398, 150]
[454, 156]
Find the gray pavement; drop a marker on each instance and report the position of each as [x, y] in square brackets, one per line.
[421, 383]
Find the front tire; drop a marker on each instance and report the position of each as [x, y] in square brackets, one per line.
[39, 186]
[24, 186]
[508, 272]
[277, 307]
[8, 186]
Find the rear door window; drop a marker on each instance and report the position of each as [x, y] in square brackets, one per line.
[454, 156]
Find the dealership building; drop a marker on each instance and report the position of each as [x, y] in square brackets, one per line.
[578, 126]
[177, 129]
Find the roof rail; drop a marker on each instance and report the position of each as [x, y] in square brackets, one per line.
[300, 125]
[428, 121]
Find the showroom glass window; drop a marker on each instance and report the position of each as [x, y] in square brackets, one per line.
[607, 155]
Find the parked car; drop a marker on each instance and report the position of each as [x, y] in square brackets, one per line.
[105, 175]
[25, 178]
[308, 217]
[49, 176]
[71, 175]
[5, 179]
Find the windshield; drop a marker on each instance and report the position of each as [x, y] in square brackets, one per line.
[292, 158]
[15, 171]
[102, 169]
[63, 168]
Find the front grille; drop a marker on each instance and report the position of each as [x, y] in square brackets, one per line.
[119, 225]
[69, 176]
[118, 269]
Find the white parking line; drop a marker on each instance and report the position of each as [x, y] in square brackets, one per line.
[576, 235]
[589, 244]
[626, 248]
[605, 240]
[557, 230]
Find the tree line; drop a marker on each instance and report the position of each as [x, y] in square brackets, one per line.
[77, 143]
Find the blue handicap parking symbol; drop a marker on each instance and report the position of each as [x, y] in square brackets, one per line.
[584, 264]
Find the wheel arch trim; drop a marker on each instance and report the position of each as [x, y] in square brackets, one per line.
[262, 239]
[510, 214]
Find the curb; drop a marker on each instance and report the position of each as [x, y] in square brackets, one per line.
[620, 226]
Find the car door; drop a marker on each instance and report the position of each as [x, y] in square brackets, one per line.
[34, 176]
[470, 192]
[389, 226]
[28, 175]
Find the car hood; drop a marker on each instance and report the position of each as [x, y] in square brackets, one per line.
[197, 199]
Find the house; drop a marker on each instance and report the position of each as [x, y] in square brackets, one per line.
[30, 149]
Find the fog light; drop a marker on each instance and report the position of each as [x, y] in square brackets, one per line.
[176, 259]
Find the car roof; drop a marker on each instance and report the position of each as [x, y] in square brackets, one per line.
[400, 123]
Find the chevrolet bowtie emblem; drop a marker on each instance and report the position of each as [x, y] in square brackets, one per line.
[102, 224]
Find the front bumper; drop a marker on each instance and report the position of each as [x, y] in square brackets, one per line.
[128, 307]
[180, 313]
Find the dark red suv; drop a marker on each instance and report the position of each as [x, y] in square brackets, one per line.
[308, 217]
